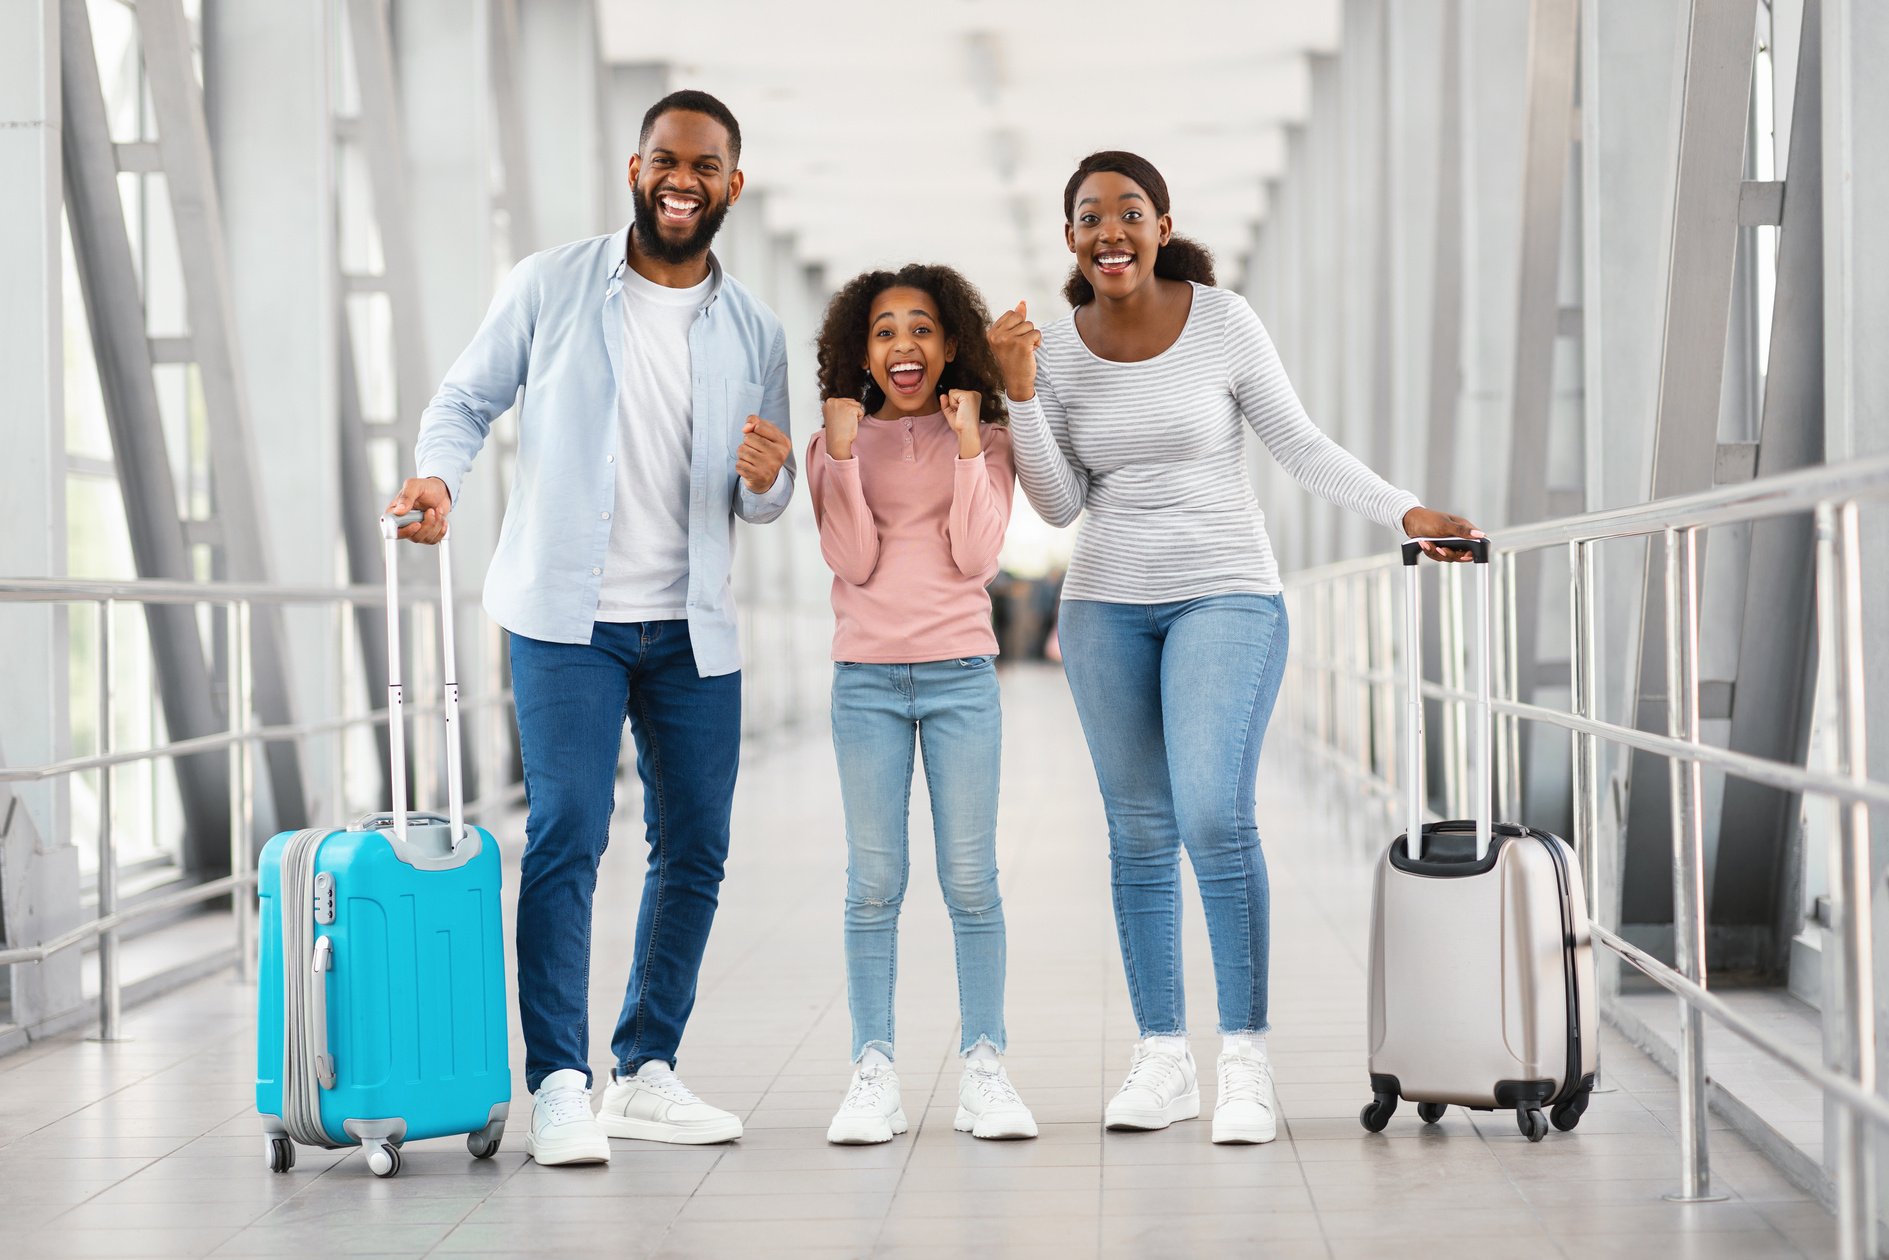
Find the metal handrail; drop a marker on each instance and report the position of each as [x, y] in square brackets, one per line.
[1356, 667]
[235, 599]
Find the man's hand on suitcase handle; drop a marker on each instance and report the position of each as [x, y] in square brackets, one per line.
[1427, 523]
[429, 497]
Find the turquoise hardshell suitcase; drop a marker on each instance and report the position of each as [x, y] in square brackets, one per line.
[381, 1014]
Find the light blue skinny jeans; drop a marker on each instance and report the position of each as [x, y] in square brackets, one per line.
[951, 713]
[1174, 700]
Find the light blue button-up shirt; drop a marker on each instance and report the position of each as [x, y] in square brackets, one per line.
[553, 331]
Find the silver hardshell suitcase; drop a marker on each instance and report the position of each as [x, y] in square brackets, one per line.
[1482, 965]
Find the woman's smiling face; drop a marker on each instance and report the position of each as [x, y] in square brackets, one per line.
[1115, 232]
[906, 349]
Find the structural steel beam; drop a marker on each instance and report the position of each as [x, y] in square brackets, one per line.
[1771, 699]
[196, 215]
[1714, 120]
[114, 310]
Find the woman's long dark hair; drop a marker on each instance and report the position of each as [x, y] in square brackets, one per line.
[961, 318]
[1179, 259]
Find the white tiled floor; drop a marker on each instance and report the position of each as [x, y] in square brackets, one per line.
[150, 1147]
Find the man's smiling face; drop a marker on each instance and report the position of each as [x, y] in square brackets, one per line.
[682, 184]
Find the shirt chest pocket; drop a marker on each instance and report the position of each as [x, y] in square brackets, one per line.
[735, 401]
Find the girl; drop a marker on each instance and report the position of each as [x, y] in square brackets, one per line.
[1173, 629]
[911, 484]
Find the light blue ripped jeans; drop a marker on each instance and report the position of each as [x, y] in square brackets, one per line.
[950, 712]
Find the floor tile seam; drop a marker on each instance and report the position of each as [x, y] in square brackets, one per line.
[905, 1166]
[722, 1151]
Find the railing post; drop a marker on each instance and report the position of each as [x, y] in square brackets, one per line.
[110, 990]
[1839, 608]
[1584, 687]
[242, 786]
[1688, 835]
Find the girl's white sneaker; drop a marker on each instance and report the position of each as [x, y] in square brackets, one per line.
[870, 1111]
[988, 1105]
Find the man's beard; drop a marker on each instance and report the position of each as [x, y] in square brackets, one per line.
[649, 237]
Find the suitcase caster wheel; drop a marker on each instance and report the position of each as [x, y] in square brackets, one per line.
[1568, 1114]
[384, 1160]
[1430, 1113]
[1377, 1113]
[481, 1146]
[1532, 1123]
[281, 1155]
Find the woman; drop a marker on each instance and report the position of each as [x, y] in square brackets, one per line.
[911, 485]
[1173, 628]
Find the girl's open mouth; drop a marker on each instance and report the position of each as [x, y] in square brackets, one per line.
[1114, 262]
[906, 376]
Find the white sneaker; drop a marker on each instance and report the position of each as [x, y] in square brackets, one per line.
[988, 1105]
[656, 1106]
[871, 1111]
[562, 1129]
[1162, 1087]
[1245, 1108]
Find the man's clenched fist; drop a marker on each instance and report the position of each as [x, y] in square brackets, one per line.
[763, 451]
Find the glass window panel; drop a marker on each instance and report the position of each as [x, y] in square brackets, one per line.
[98, 541]
[165, 311]
[87, 433]
[370, 333]
[120, 71]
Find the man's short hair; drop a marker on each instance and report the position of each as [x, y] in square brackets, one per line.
[700, 103]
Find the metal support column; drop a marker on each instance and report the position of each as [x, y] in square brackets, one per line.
[108, 278]
[38, 877]
[1553, 53]
[1713, 124]
[1774, 683]
[183, 144]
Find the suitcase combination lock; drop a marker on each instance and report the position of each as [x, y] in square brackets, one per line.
[325, 897]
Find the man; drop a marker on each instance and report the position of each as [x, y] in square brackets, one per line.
[646, 374]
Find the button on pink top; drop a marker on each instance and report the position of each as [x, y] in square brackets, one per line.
[911, 533]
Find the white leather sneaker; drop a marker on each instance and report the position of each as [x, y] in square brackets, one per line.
[1245, 1108]
[871, 1111]
[1162, 1087]
[988, 1105]
[562, 1129]
[655, 1106]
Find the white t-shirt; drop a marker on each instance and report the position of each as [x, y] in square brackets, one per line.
[646, 577]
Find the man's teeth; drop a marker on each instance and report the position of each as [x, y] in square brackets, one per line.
[680, 205]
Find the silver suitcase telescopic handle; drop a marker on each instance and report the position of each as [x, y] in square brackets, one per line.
[396, 693]
[1478, 549]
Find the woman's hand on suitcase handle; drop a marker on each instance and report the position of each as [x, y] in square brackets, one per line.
[429, 497]
[1423, 522]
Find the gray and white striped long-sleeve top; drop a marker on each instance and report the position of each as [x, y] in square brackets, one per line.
[1153, 454]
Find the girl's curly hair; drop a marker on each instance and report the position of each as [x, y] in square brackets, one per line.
[962, 318]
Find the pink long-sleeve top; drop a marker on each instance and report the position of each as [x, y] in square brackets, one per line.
[911, 533]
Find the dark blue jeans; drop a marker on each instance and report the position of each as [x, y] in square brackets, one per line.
[572, 699]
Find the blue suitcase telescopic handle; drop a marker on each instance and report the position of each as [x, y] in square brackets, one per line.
[396, 693]
[1479, 551]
